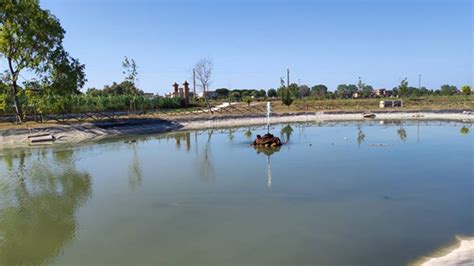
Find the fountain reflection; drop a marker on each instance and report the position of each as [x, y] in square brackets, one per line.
[268, 151]
[39, 203]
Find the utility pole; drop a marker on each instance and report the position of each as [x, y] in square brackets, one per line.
[288, 78]
[419, 82]
[194, 82]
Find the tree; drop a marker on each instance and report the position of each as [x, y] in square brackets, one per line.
[294, 90]
[28, 36]
[319, 90]
[272, 93]
[286, 97]
[447, 89]
[466, 90]
[403, 87]
[130, 70]
[367, 91]
[304, 91]
[66, 75]
[248, 100]
[203, 74]
[222, 93]
[346, 91]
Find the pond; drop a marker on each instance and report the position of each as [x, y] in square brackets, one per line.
[336, 193]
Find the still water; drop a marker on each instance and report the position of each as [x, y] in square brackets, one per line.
[335, 194]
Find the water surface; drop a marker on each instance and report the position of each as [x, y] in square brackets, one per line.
[335, 194]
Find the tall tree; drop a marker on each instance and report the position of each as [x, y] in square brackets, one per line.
[403, 87]
[203, 74]
[286, 97]
[28, 36]
[130, 70]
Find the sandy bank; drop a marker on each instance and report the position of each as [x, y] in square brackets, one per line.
[325, 117]
[76, 133]
[460, 254]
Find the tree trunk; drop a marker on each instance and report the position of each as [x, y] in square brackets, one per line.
[205, 100]
[16, 103]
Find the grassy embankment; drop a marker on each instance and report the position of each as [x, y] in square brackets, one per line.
[304, 105]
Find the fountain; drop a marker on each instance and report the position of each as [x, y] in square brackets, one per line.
[268, 140]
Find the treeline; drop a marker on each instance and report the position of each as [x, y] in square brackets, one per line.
[117, 97]
[238, 95]
[362, 90]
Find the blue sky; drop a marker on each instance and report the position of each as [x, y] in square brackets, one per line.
[252, 43]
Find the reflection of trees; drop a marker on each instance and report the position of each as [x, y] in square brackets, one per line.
[135, 175]
[286, 132]
[206, 169]
[464, 130]
[248, 134]
[360, 136]
[39, 218]
[231, 134]
[402, 133]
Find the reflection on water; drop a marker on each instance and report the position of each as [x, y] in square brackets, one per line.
[268, 151]
[360, 136]
[286, 133]
[135, 175]
[39, 201]
[173, 198]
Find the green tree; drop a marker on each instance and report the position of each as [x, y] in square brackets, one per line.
[272, 93]
[346, 91]
[286, 97]
[28, 36]
[66, 75]
[403, 88]
[130, 70]
[248, 100]
[447, 89]
[303, 91]
[222, 93]
[319, 90]
[466, 90]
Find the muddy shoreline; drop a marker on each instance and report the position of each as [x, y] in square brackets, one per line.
[85, 132]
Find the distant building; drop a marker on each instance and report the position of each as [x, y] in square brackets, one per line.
[380, 92]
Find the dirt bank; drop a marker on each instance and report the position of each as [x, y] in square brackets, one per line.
[76, 133]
